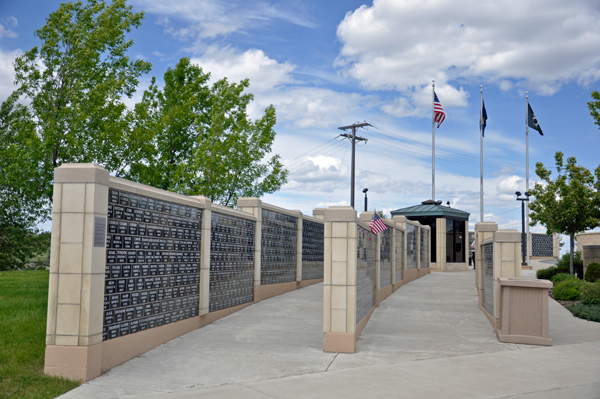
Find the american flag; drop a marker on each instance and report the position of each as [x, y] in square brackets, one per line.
[438, 110]
[377, 225]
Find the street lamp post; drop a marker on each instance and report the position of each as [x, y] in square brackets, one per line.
[365, 191]
[523, 238]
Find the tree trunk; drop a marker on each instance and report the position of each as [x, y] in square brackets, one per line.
[572, 252]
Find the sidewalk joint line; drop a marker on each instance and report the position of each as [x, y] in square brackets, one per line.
[332, 360]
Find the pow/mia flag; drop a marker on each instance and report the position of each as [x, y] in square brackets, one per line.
[532, 120]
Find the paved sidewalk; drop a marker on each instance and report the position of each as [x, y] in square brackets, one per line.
[427, 340]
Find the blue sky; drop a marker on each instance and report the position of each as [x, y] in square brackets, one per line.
[330, 64]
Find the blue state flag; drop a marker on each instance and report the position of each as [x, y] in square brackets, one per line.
[482, 118]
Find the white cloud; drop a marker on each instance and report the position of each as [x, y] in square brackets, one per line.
[213, 18]
[5, 32]
[264, 73]
[403, 45]
[7, 73]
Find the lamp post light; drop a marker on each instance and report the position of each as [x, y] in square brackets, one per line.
[365, 191]
[523, 238]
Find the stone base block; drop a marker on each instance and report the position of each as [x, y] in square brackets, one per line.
[523, 339]
[345, 342]
[82, 363]
[423, 272]
[382, 294]
[397, 285]
[270, 290]
[410, 275]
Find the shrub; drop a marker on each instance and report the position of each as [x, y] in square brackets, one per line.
[564, 263]
[588, 312]
[568, 290]
[561, 277]
[593, 272]
[590, 293]
[562, 266]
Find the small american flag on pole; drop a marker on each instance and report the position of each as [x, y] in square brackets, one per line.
[438, 110]
[377, 225]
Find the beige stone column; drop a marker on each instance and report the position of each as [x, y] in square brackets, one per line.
[77, 262]
[339, 286]
[254, 206]
[400, 222]
[366, 217]
[440, 244]
[555, 246]
[507, 262]
[205, 239]
[299, 247]
[319, 213]
[483, 231]
[392, 225]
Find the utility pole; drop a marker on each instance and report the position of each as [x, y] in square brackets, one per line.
[354, 139]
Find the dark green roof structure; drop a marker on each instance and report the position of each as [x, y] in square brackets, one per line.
[432, 209]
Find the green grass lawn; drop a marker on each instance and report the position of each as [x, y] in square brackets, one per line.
[23, 305]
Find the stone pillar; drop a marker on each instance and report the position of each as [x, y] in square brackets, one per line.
[76, 290]
[590, 254]
[426, 263]
[319, 213]
[339, 286]
[393, 249]
[483, 231]
[440, 244]
[400, 225]
[205, 240]
[366, 217]
[299, 247]
[555, 246]
[254, 206]
[507, 263]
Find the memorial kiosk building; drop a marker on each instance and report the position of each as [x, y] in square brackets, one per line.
[449, 233]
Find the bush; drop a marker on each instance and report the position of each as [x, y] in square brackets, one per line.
[564, 263]
[592, 273]
[588, 312]
[561, 277]
[547, 274]
[568, 290]
[563, 266]
[590, 293]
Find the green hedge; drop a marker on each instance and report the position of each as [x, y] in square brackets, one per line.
[563, 266]
[593, 272]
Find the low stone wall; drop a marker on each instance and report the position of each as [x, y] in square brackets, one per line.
[133, 266]
[355, 281]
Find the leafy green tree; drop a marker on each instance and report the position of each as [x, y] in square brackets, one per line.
[594, 107]
[20, 207]
[203, 142]
[73, 85]
[568, 203]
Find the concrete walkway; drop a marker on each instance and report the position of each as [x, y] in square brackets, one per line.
[427, 340]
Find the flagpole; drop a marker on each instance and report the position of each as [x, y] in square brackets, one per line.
[481, 155]
[433, 140]
[527, 172]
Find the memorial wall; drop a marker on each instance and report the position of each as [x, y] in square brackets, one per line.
[128, 259]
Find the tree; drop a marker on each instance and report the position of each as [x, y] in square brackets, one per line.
[73, 85]
[20, 206]
[203, 142]
[567, 204]
[594, 106]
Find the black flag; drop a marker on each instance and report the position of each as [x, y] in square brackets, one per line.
[532, 120]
